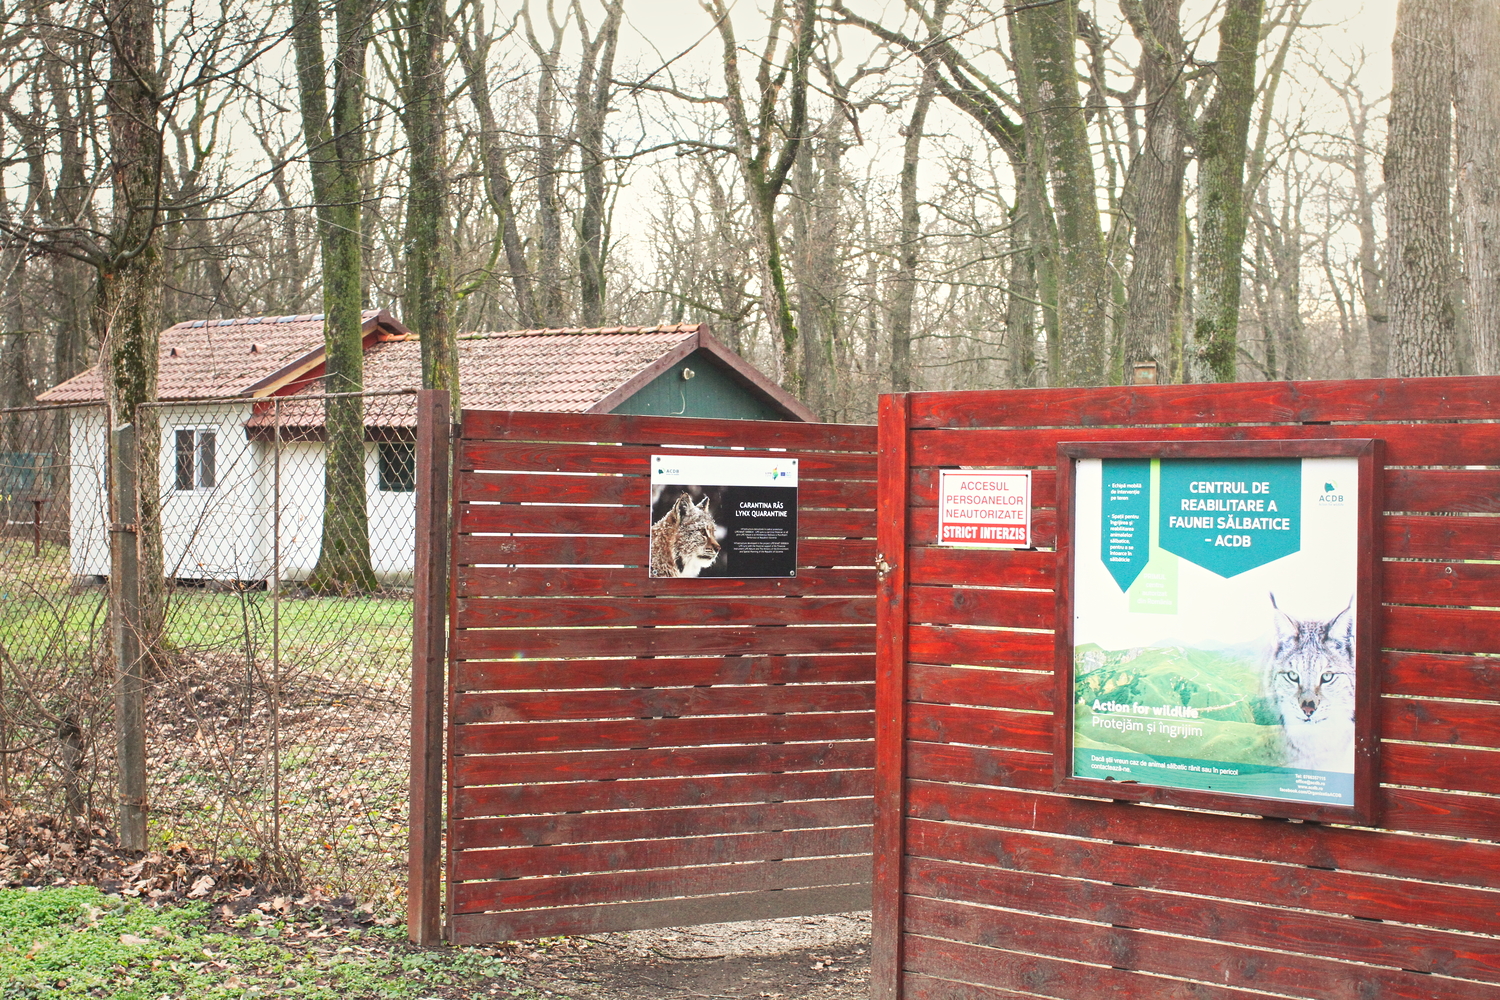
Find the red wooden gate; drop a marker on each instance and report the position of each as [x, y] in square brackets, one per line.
[988, 884]
[627, 752]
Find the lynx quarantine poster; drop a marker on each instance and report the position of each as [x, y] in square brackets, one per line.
[1214, 617]
[723, 516]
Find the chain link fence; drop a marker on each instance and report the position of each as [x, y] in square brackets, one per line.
[278, 689]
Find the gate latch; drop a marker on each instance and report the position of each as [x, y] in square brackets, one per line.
[882, 568]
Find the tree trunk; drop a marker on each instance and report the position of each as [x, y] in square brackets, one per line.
[1045, 36]
[336, 156]
[1419, 249]
[1020, 299]
[1476, 99]
[130, 284]
[1221, 146]
[428, 299]
[496, 172]
[552, 302]
[904, 294]
[1154, 199]
[595, 87]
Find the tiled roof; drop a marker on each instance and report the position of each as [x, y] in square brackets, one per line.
[224, 357]
[559, 370]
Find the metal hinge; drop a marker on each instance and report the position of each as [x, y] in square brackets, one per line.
[882, 568]
[126, 529]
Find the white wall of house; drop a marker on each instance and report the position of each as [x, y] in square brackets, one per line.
[226, 531]
[88, 548]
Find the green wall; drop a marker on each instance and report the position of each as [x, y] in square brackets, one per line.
[711, 392]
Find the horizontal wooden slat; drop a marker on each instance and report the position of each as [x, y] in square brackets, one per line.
[634, 550]
[1468, 398]
[489, 644]
[1440, 630]
[1417, 536]
[1281, 930]
[1405, 444]
[521, 675]
[1039, 976]
[638, 824]
[1443, 814]
[1433, 675]
[528, 457]
[1448, 907]
[632, 792]
[979, 765]
[565, 611]
[602, 765]
[631, 490]
[527, 924]
[657, 703]
[1456, 722]
[626, 855]
[529, 737]
[1447, 768]
[611, 887]
[937, 566]
[1471, 491]
[585, 581]
[942, 685]
[915, 986]
[506, 517]
[503, 425]
[980, 647]
[993, 608]
[1450, 583]
[979, 727]
[1211, 961]
[1355, 850]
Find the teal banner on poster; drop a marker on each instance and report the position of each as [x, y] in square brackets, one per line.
[1125, 510]
[1230, 515]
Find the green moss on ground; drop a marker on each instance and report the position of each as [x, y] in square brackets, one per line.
[76, 942]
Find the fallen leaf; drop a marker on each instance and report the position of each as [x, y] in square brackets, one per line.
[133, 941]
[201, 887]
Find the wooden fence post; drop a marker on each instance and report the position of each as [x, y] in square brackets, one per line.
[125, 623]
[429, 654]
[890, 695]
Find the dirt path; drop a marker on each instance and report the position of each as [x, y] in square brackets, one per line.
[795, 958]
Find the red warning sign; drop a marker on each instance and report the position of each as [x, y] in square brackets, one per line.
[986, 509]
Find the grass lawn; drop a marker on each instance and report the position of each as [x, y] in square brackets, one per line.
[77, 942]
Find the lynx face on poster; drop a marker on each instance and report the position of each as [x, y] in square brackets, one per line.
[723, 516]
[1214, 617]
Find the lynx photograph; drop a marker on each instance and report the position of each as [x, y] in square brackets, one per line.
[1214, 625]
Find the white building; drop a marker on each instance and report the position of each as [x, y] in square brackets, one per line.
[238, 433]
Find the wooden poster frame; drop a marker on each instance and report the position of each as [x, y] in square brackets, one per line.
[1369, 453]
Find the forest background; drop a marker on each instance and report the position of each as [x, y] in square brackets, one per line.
[859, 196]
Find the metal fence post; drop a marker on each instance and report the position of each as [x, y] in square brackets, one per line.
[429, 660]
[130, 686]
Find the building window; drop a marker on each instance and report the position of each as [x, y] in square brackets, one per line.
[197, 455]
[398, 466]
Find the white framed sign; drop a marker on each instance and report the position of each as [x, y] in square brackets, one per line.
[723, 516]
[984, 508]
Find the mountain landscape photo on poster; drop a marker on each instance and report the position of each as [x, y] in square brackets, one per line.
[723, 516]
[1214, 624]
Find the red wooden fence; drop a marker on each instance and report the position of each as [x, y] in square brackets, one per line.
[627, 752]
[989, 885]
